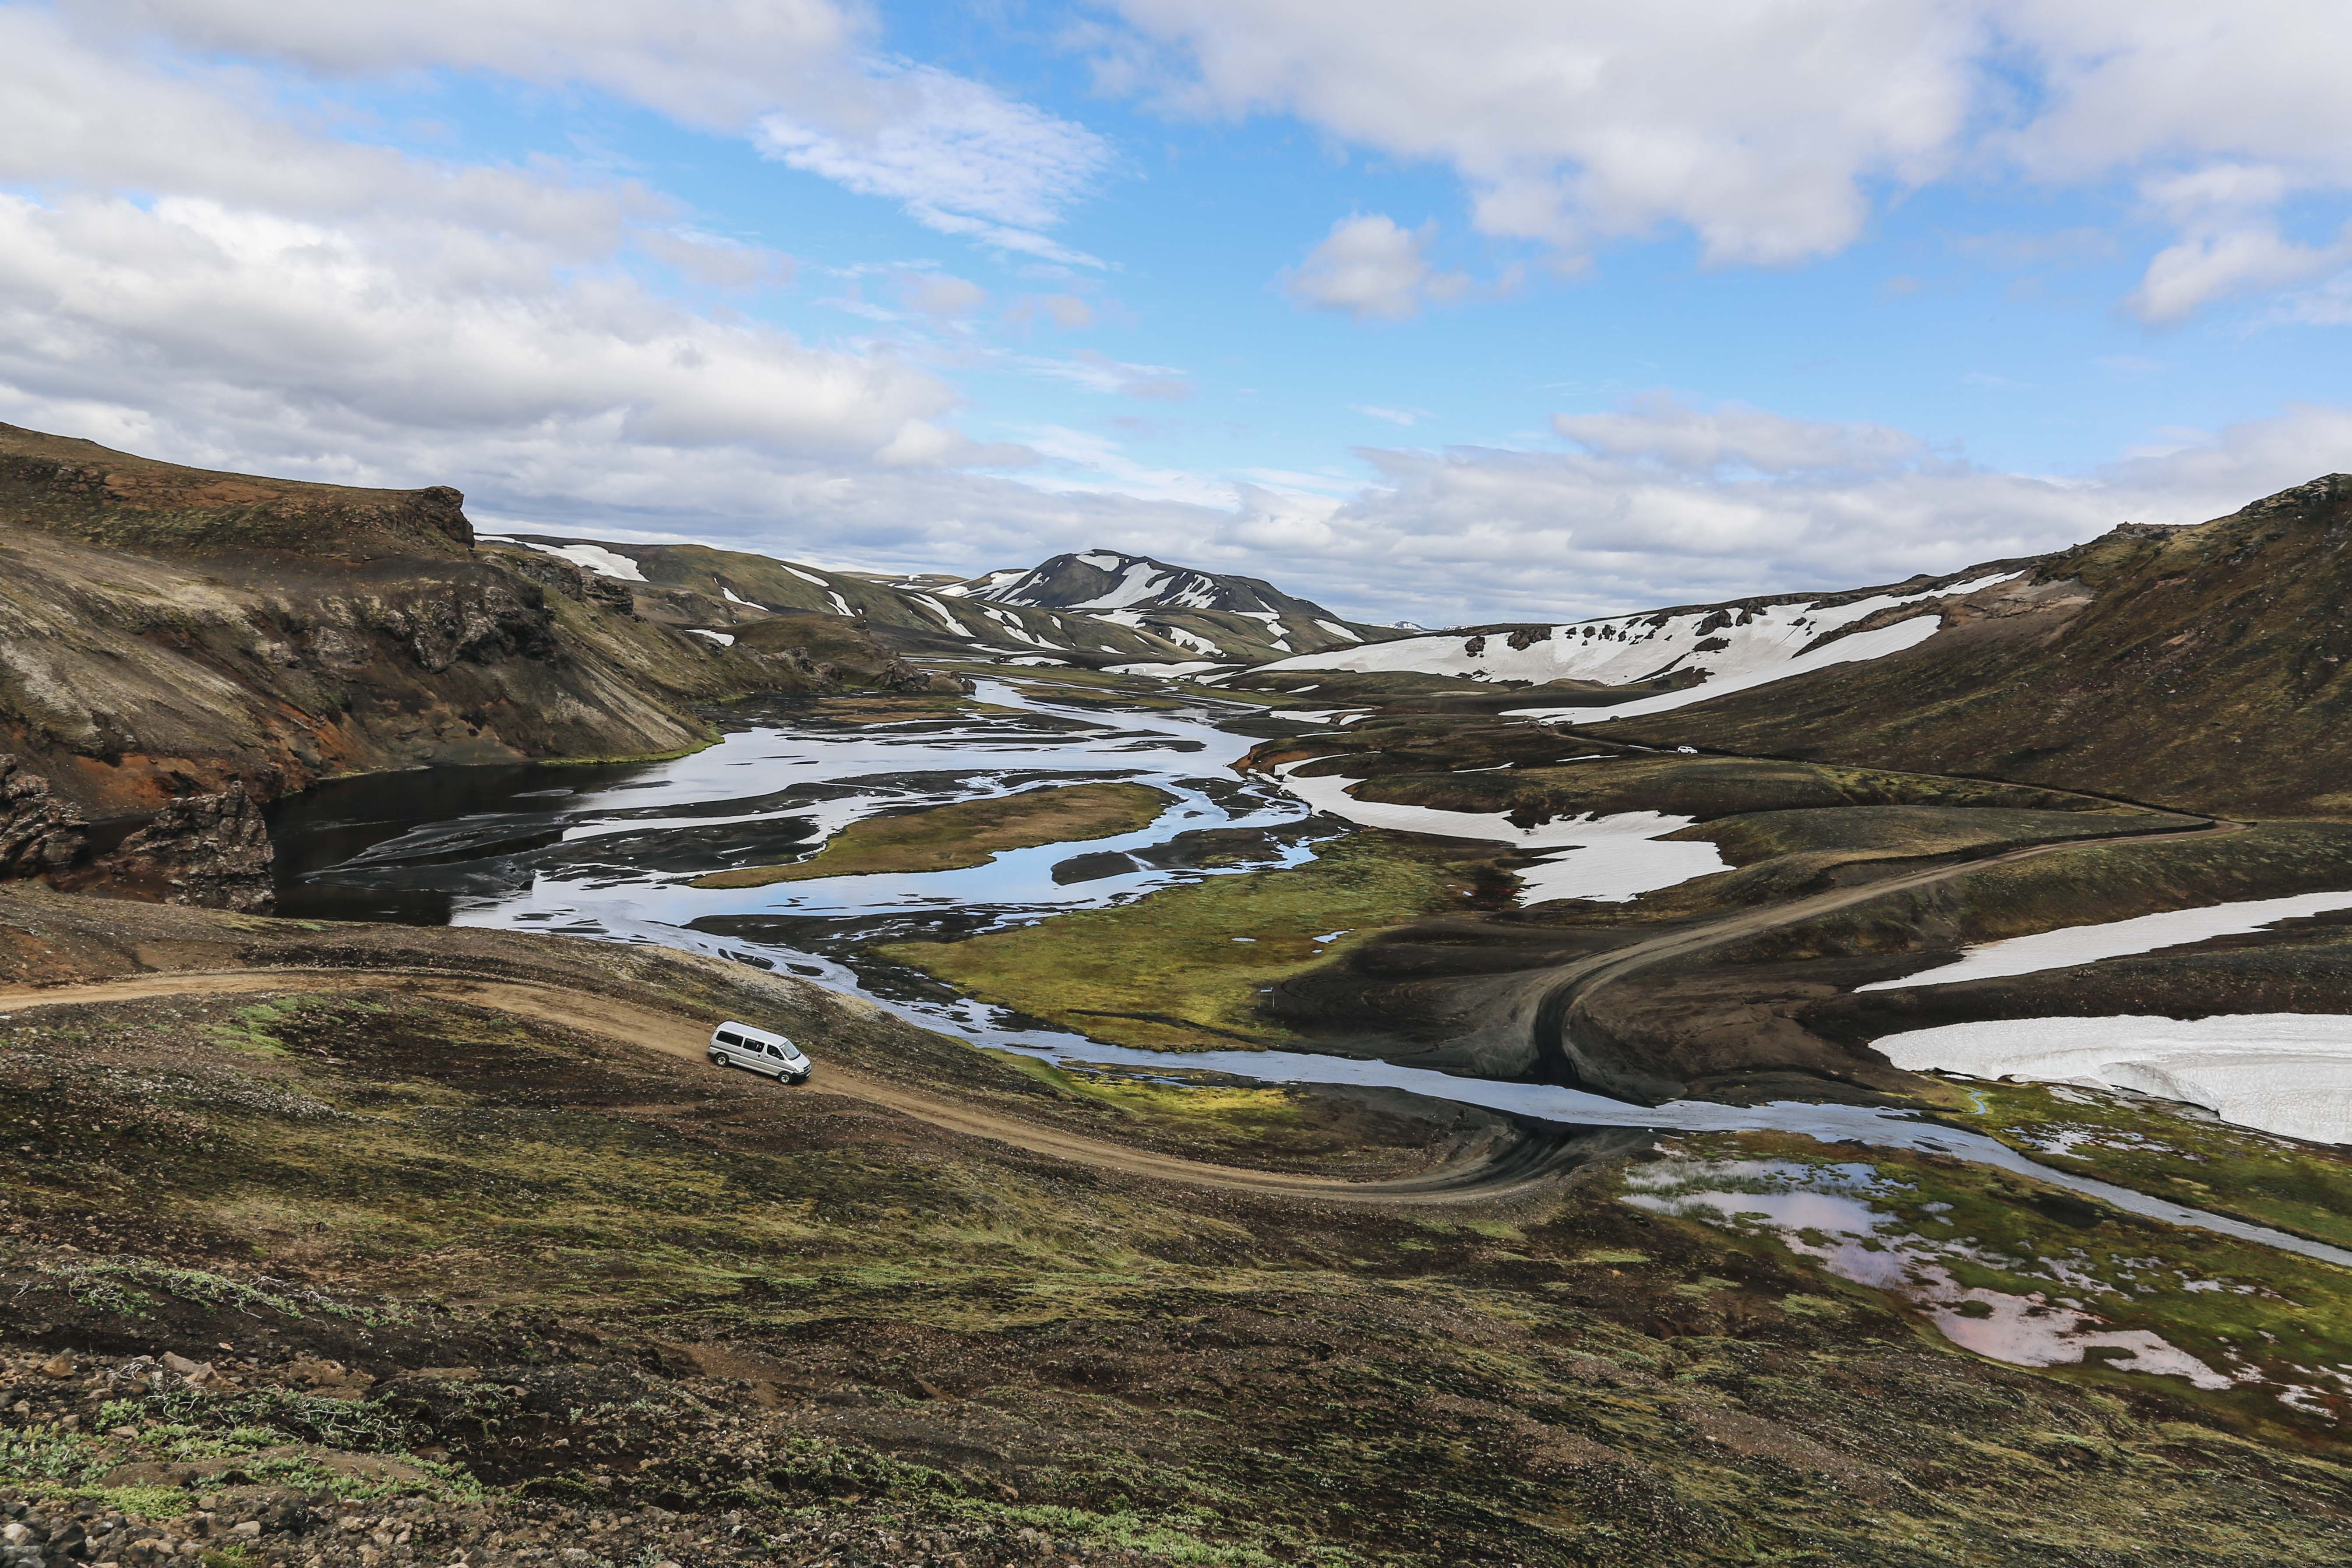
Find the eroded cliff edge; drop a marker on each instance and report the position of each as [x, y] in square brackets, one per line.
[179, 647]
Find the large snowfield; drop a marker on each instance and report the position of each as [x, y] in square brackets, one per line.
[1735, 649]
[2289, 1073]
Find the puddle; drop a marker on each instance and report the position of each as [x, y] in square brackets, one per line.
[1825, 1212]
[605, 853]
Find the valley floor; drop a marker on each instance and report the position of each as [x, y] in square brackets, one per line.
[329, 1242]
[449, 1267]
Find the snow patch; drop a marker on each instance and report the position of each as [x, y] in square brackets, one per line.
[2071, 945]
[806, 576]
[1137, 585]
[840, 605]
[1338, 631]
[1171, 671]
[721, 638]
[1607, 859]
[939, 610]
[596, 557]
[1859, 647]
[2289, 1073]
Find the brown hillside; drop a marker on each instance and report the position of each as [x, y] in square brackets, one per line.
[2203, 667]
[178, 646]
[66, 486]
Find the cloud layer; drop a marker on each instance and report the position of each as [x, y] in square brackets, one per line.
[192, 266]
[1766, 132]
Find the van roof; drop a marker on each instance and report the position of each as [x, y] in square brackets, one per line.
[755, 1032]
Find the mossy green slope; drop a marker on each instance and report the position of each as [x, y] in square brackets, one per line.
[1182, 969]
[564, 1269]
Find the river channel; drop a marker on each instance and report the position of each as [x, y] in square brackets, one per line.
[608, 852]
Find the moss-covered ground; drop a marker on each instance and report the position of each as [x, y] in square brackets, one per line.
[2167, 1149]
[441, 1252]
[965, 833]
[1184, 969]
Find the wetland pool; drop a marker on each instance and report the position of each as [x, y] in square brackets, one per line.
[606, 852]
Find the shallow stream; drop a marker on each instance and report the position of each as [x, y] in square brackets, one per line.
[608, 852]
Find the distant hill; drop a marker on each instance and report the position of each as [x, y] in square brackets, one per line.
[2209, 668]
[1095, 608]
[2204, 668]
[1108, 580]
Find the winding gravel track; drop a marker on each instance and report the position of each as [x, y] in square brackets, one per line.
[676, 1035]
[1484, 1181]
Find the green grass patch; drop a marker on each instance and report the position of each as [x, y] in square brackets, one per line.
[965, 833]
[2139, 1143]
[1184, 969]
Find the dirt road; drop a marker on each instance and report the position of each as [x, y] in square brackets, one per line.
[1542, 1002]
[680, 1036]
[1539, 1003]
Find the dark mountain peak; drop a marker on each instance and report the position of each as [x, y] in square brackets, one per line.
[1115, 580]
[64, 485]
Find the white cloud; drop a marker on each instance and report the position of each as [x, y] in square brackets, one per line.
[187, 300]
[1372, 271]
[2230, 242]
[77, 113]
[1404, 417]
[1656, 427]
[714, 63]
[961, 157]
[1764, 130]
[1099, 373]
[1753, 126]
[802, 77]
[716, 260]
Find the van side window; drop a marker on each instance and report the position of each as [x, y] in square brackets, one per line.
[774, 1052]
[727, 1039]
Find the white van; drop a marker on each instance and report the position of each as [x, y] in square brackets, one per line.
[734, 1045]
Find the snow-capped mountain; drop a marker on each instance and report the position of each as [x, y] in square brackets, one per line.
[1096, 608]
[1108, 580]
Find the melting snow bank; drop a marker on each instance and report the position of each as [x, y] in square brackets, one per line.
[2289, 1073]
[1607, 859]
[596, 557]
[2116, 938]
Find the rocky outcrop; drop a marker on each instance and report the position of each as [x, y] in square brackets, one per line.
[39, 834]
[209, 850]
[569, 578]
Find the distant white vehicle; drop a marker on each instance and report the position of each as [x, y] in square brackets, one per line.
[734, 1045]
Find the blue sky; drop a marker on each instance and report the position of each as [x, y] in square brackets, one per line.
[1447, 313]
